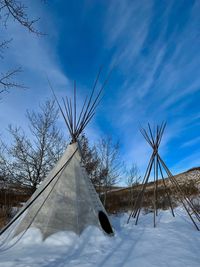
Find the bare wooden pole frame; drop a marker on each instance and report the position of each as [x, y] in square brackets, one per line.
[76, 122]
[157, 165]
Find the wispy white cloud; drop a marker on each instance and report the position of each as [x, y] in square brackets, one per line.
[126, 27]
[159, 68]
[187, 163]
[192, 142]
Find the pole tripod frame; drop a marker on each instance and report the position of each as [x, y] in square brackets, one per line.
[157, 166]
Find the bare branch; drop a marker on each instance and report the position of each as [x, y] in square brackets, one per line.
[3, 46]
[7, 82]
[18, 11]
[110, 167]
[133, 175]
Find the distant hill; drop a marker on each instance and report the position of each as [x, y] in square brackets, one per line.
[119, 198]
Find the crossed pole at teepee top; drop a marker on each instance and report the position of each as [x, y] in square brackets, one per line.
[157, 166]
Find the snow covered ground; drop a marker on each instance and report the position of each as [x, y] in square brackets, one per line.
[174, 242]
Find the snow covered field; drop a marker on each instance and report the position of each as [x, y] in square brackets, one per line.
[174, 243]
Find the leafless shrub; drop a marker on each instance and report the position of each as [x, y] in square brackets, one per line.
[29, 160]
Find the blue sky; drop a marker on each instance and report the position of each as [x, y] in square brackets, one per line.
[154, 48]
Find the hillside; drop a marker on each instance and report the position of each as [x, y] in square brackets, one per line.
[119, 199]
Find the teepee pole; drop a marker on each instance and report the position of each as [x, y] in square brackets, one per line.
[154, 194]
[151, 136]
[88, 104]
[142, 196]
[139, 195]
[156, 185]
[179, 191]
[67, 114]
[76, 122]
[158, 137]
[145, 182]
[166, 189]
[74, 106]
[80, 116]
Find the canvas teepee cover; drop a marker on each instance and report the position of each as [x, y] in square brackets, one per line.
[69, 202]
[66, 200]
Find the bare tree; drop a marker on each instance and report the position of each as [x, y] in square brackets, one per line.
[133, 175]
[133, 179]
[31, 158]
[3, 167]
[110, 167]
[17, 11]
[90, 159]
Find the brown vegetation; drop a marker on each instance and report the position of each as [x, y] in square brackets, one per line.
[11, 199]
[118, 198]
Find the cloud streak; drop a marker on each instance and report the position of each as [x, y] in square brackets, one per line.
[156, 50]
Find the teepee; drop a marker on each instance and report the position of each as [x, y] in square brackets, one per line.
[156, 167]
[66, 200]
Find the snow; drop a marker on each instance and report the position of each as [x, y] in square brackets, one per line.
[174, 242]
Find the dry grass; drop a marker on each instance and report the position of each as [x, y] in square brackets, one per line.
[9, 199]
[124, 199]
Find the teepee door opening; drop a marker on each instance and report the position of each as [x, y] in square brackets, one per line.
[105, 224]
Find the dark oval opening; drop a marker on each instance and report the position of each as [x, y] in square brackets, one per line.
[105, 224]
